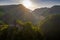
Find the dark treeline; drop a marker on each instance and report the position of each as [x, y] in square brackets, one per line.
[21, 31]
[48, 29]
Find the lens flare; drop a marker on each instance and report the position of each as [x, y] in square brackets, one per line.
[27, 3]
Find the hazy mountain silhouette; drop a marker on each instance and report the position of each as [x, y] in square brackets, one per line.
[55, 9]
[16, 12]
[47, 11]
[40, 11]
[11, 13]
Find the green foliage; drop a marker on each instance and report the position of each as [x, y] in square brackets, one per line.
[22, 31]
[1, 12]
[27, 31]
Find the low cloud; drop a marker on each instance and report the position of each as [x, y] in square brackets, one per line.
[10, 1]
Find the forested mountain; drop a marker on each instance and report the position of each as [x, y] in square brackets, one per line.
[40, 11]
[11, 13]
[47, 11]
[50, 27]
[55, 9]
[45, 23]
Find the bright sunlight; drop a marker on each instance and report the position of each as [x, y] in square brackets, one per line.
[27, 3]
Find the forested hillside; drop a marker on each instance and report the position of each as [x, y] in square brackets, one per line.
[11, 13]
[20, 23]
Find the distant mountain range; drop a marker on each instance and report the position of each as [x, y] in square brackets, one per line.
[47, 11]
[11, 13]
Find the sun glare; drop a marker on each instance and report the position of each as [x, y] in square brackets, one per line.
[27, 3]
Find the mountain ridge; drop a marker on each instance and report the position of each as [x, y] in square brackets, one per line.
[16, 12]
[42, 11]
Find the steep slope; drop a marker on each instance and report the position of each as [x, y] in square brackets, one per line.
[47, 11]
[16, 12]
[50, 27]
[55, 9]
[40, 11]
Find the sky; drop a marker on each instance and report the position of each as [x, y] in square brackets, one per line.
[35, 3]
